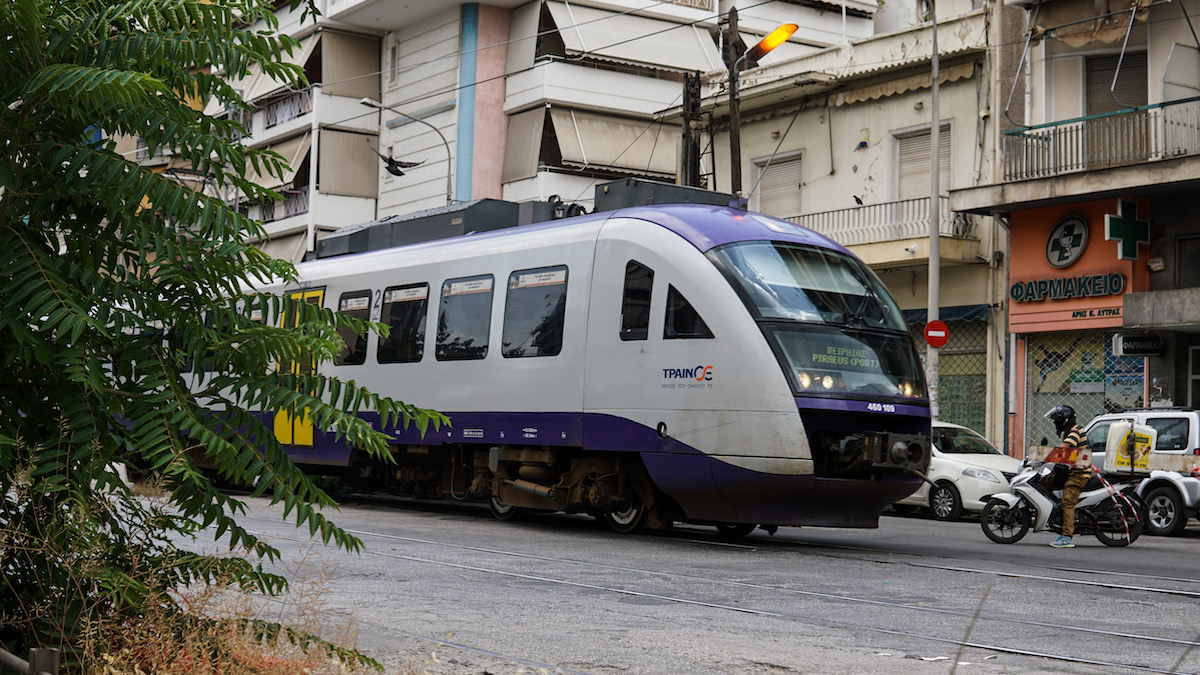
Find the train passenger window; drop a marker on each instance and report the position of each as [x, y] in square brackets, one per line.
[682, 319]
[534, 312]
[635, 303]
[464, 319]
[356, 304]
[404, 311]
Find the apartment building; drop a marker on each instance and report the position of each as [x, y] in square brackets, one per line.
[1098, 183]
[838, 140]
[417, 106]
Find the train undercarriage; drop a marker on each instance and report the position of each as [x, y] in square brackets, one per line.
[613, 487]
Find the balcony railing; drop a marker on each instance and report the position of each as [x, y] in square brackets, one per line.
[294, 203]
[288, 109]
[1131, 136]
[889, 221]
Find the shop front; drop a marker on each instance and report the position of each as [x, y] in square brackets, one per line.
[1070, 268]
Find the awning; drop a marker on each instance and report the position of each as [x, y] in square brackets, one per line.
[264, 84]
[523, 147]
[216, 108]
[349, 65]
[588, 139]
[293, 151]
[1081, 22]
[347, 165]
[904, 84]
[289, 247]
[634, 39]
[1181, 76]
[958, 313]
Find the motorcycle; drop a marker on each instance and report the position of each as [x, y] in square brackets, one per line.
[1112, 512]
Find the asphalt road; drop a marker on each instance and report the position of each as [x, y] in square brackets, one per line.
[443, 588]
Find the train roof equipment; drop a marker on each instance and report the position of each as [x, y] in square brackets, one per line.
[485, 215]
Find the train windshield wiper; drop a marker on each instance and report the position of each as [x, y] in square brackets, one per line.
[858, 316]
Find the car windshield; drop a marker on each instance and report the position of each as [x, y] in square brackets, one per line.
[812, 285]
[963, 442]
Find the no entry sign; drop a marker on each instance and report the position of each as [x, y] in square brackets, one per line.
[936, 334]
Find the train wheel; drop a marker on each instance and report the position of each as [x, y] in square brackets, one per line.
[631, 518]
[735, 529]
[503, 510]
[1002, 523]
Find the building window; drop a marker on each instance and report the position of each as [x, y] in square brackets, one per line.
[534, 312]
[912, 166]
[465, 318]
[1131, 89]
[781, 183]
[1186, 255]
[404, 311]
[635, 302]
[393, 64]
[1193, 376]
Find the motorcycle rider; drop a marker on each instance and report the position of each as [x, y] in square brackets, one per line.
[1066, 426]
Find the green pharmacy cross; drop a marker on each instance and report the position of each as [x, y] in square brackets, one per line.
[1127, 228]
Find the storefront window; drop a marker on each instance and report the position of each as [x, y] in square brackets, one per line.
[1079, 370]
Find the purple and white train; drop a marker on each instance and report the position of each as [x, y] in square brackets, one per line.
[647, 365]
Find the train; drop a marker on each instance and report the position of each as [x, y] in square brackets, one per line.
[649, 365]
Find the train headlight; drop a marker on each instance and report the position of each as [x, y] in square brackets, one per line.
[805, 380]
[827, 382]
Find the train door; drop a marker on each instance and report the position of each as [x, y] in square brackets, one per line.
[292, 427]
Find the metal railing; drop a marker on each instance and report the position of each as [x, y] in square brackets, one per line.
[41, 662]
[1131, 136]
[288, 109]
[889, 221]
[295, 202]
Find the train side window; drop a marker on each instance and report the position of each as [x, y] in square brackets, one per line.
[635, 302]
[534, 312]
[464, 319]
[356, 304]
[683, 322]
[404, 311]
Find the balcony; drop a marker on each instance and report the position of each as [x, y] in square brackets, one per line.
[288, 109]
[1127, 137]
[295, 202]
[896, 234]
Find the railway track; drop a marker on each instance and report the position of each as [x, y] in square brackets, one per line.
[984, 626]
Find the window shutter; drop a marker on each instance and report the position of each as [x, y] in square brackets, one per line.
[780, 188]
[1131, 85]
[913, 164]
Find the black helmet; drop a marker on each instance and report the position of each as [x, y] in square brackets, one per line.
[1064, 418]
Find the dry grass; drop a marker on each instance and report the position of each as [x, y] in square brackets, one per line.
[161, 643]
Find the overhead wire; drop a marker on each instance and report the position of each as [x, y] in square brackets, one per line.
[631, 68]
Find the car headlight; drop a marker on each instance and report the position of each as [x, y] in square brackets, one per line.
[981, 474]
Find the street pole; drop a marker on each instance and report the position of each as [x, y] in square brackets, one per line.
[733, 61]
[449, 183]
[935, 212]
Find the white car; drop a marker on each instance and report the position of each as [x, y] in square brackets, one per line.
[964, 468]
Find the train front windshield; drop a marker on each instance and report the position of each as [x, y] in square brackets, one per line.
[830, 320]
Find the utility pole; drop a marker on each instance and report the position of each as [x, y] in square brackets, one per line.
[935, 216]
[690, 173]
[732, 40]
